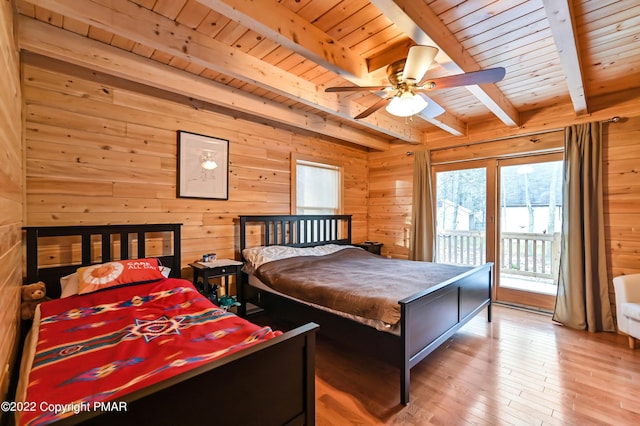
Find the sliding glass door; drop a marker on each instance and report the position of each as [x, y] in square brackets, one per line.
[525, 195]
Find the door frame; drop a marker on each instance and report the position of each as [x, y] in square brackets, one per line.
[544, 302]
[490, 232]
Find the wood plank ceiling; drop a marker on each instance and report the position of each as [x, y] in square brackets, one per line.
[273, 59]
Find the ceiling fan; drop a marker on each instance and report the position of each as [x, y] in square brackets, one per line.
[404, 97]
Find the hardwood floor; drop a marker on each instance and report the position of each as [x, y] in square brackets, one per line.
[520, 369]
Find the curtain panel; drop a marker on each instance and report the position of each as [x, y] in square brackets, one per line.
[422, 241]
[583, 290]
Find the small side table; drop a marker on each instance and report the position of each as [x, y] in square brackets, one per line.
[371, 246]
[203, 271]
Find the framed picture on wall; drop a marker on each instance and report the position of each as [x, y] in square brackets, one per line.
[203, 166]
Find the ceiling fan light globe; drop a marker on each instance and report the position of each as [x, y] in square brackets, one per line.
[406, 105]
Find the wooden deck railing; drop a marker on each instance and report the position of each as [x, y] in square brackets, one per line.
[530, 254]
[461, 247]
[522, 253]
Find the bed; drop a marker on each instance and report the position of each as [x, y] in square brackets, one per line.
[259, 377]
[427, 317]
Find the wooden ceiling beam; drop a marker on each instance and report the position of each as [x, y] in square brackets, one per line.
[388, 56]
[148, 28]
[447, 122]
[280, 24]
[424, 27]
[564, 35]
[44, 39]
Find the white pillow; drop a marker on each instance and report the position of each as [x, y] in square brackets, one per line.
[69, 285]
[165, 271]
[257, 256]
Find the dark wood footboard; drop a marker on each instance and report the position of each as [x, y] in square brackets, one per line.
[430, 318]
[272, 383]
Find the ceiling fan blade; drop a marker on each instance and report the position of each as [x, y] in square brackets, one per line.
[355, 88]
[373, 108]
[490, 75]
[418, 62]
[432, 109]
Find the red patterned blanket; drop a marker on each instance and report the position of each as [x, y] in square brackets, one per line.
[100, 346]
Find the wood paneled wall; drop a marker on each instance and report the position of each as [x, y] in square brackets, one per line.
[11, 192]
[622, 195]
[391, 175]
[102, 150]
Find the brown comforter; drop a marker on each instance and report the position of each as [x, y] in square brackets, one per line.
[355, 281]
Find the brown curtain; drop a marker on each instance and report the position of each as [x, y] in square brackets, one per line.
[583, 291]
[421, 243]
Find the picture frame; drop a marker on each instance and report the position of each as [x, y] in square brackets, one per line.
[203, 166]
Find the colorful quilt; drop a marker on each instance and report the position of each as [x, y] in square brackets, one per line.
[100, 346]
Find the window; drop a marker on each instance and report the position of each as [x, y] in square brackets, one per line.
[461, 199]
[317, 188]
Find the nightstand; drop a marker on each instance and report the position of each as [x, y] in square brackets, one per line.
[370, 246]
[204, 271]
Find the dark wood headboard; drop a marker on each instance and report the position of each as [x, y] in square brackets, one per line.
[113, 242]
[296, 230]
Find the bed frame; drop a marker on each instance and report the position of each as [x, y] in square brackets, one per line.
[269, 383]
[428, 318]
[84, 239]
